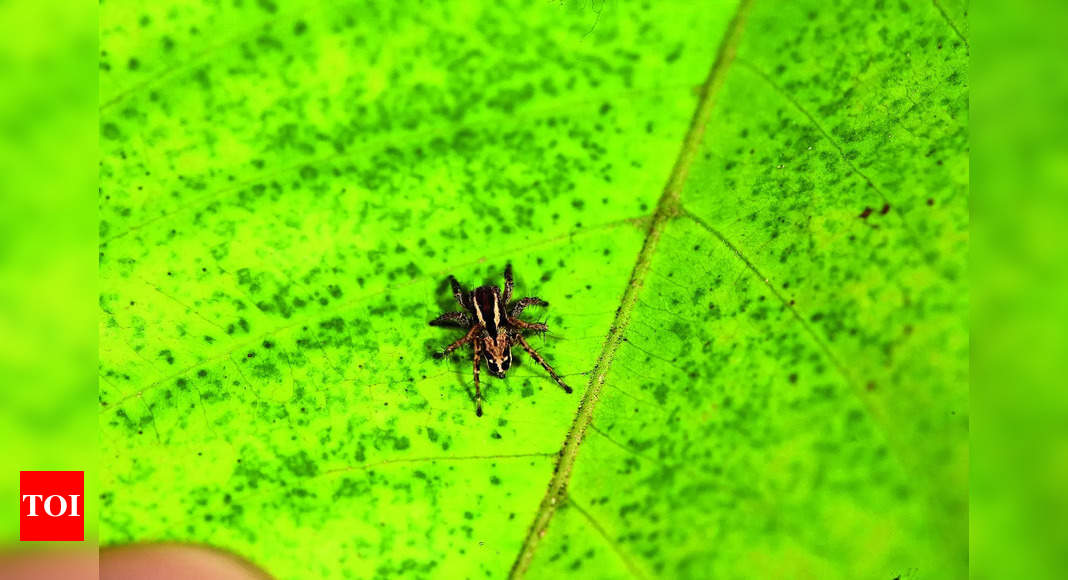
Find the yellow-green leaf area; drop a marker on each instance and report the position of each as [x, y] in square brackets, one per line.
[790, 396]
[769, 353]
[285, 187]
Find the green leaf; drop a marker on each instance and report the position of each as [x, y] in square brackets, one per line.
[769, 353]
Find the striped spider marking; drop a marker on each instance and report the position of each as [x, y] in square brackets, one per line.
[491, 319]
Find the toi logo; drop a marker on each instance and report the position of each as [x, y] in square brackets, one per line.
[52, 506]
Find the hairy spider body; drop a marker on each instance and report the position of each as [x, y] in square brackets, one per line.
[493, 328]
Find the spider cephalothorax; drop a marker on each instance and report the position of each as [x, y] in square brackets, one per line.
[493, 327]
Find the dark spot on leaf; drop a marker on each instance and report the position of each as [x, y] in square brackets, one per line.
[110, 131]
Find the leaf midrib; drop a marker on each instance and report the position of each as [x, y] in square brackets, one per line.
[667, 208]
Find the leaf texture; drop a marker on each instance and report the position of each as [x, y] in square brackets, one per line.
[285, 187]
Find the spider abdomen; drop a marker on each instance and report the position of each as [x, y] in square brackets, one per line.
[488, 308]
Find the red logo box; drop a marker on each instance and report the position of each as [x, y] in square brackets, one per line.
[52, 506]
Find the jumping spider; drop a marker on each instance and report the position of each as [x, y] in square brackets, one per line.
[493, 327]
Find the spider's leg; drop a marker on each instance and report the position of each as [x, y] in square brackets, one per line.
[524, 325]
[458, 292]
[478, 390]
[463, 340]
[534, 354]
[508, 283]
[522, 303]
[452, 318]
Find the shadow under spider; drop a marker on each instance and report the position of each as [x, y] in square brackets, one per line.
[462, 376]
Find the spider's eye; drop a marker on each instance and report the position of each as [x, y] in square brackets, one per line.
[493, 366]
[506, 363]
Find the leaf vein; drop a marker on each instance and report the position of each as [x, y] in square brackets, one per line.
[666, 209]
[631, 565]
[945, 16]
[913, 237]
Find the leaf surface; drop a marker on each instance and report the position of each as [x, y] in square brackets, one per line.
[285, 188]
